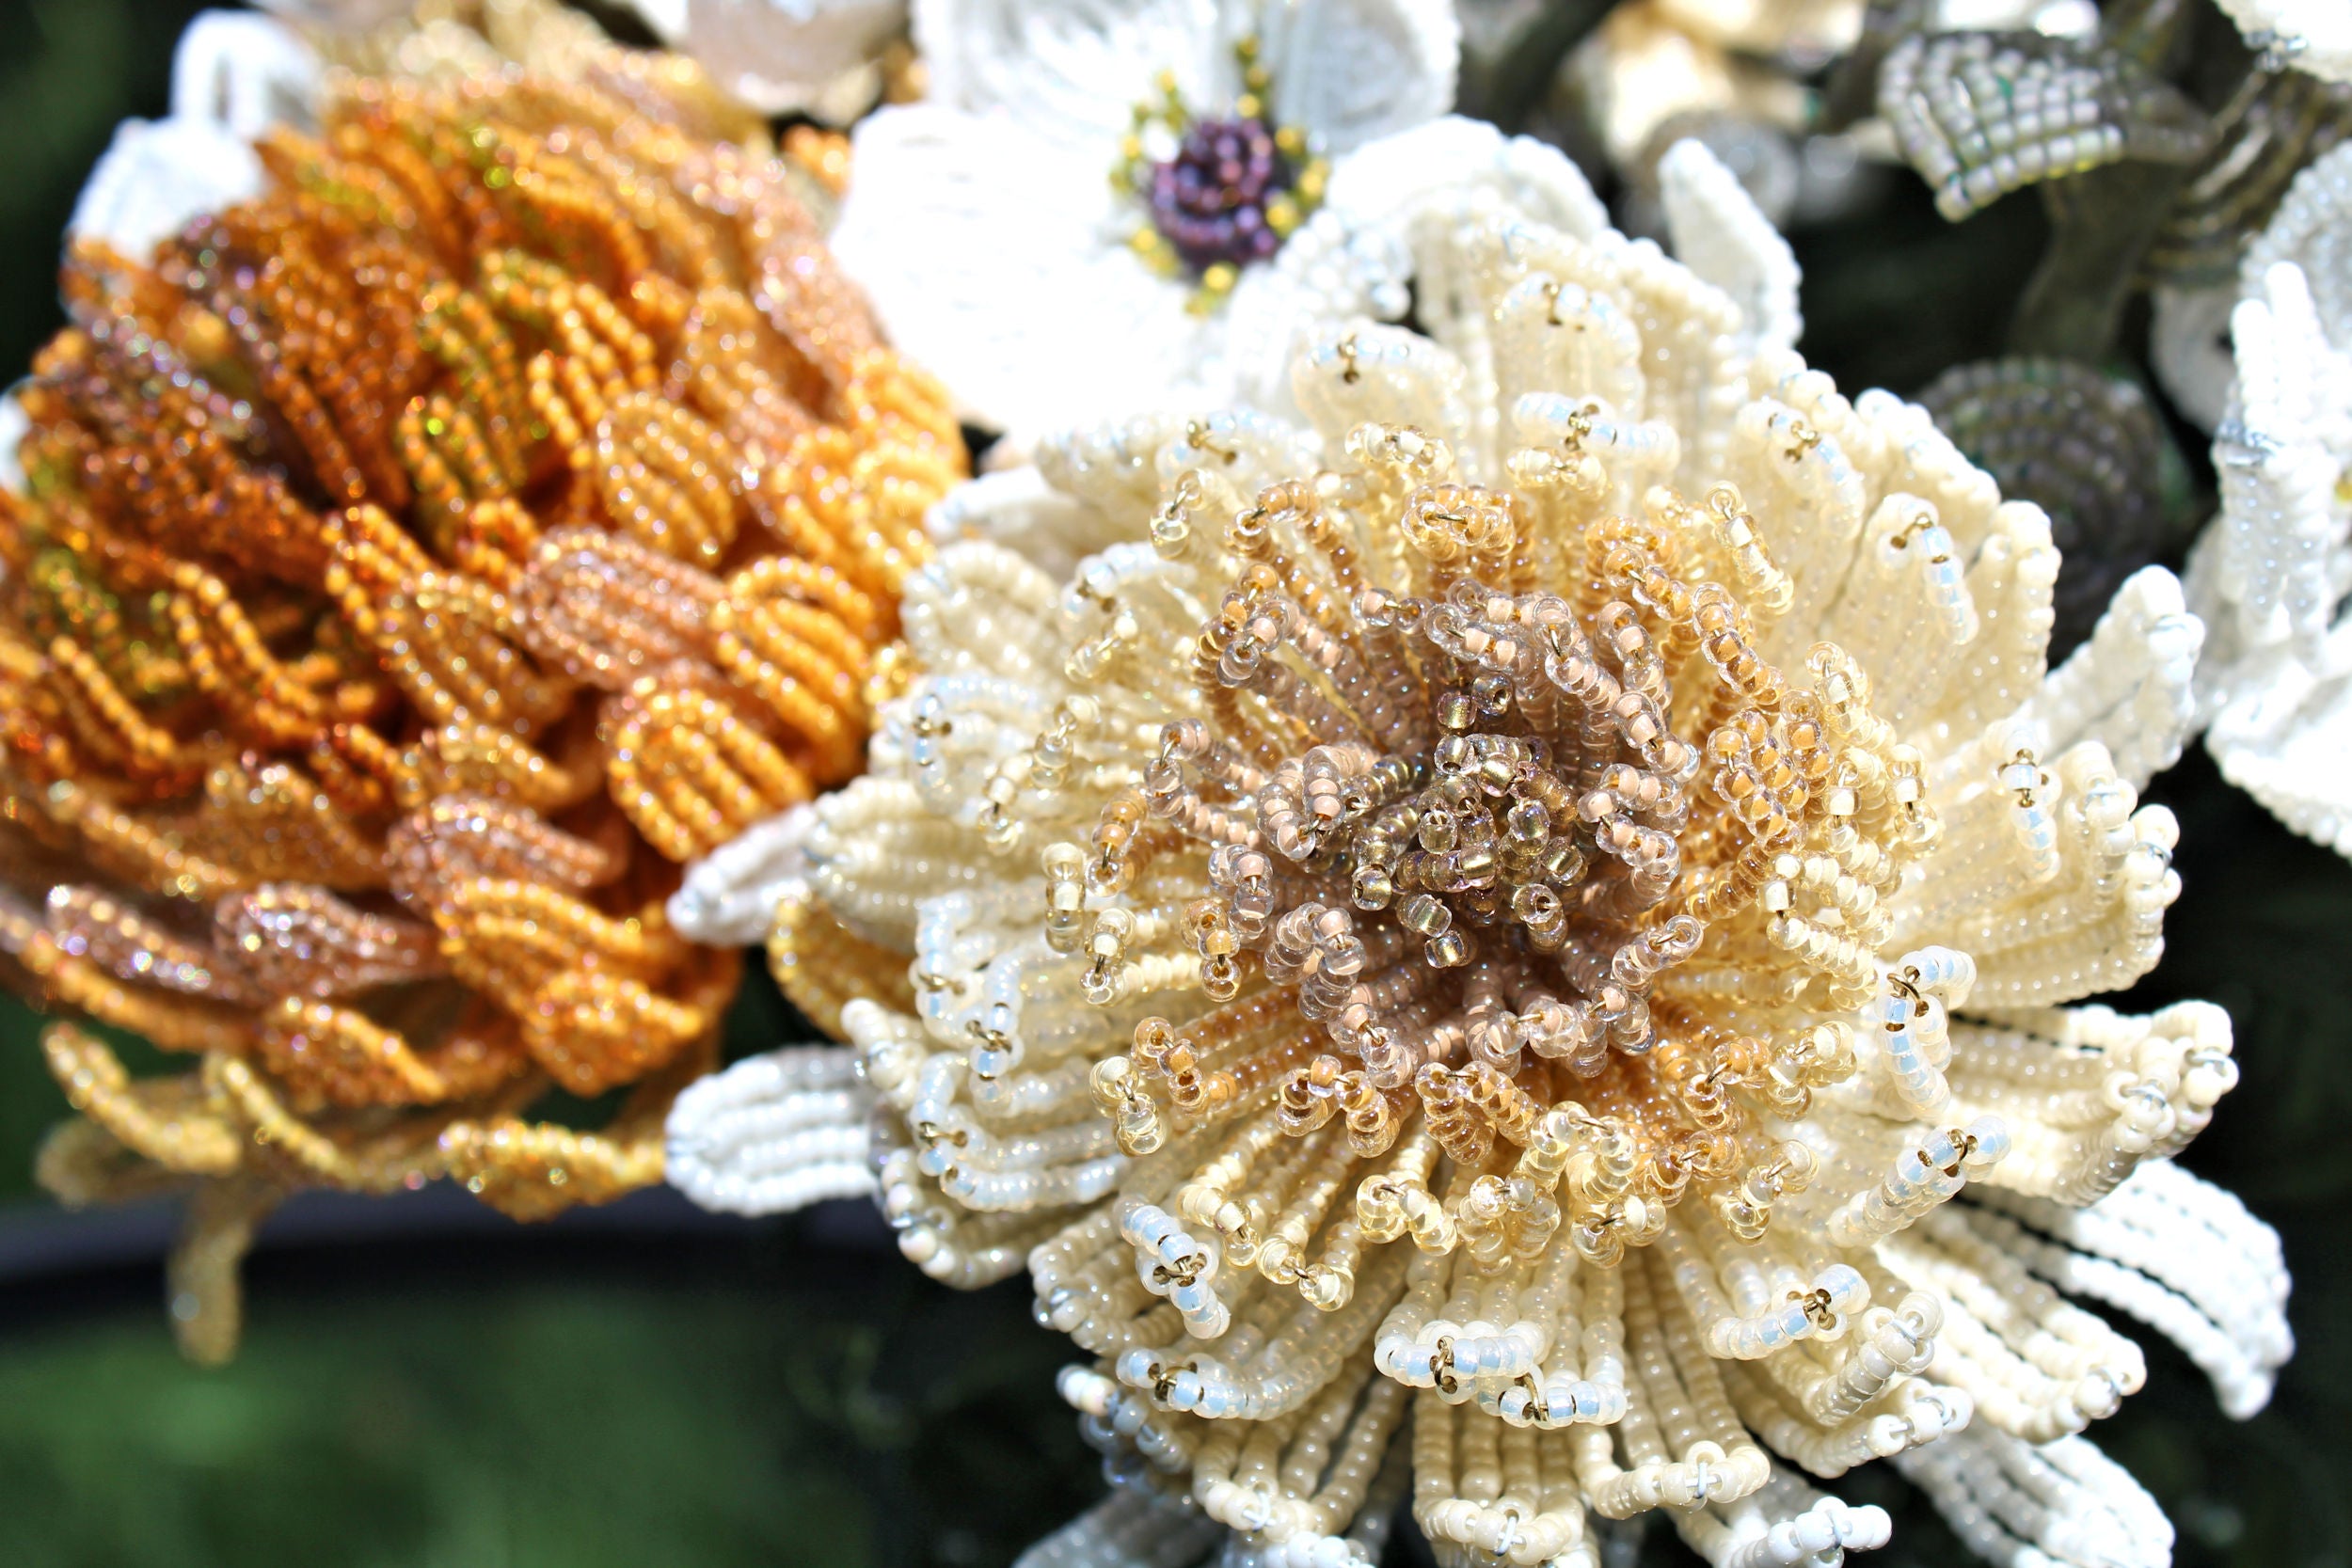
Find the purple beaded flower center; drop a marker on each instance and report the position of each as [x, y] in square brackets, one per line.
[1210, 200]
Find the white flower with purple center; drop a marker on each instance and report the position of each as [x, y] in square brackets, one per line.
[1218, 193]
[1104, 204]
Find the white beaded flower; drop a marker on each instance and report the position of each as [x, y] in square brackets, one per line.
[1104, 201]
[1548, 891]
[2273, 570]
[785, 57]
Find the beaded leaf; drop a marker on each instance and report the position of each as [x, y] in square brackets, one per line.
[2278, 122]
[1981, 114]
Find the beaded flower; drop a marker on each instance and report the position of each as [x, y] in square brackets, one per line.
[2272, 573]
[413, 564]
[1161, 174]
[1548, 895]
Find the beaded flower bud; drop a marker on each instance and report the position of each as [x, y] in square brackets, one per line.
[1657, 863]
[414, 563]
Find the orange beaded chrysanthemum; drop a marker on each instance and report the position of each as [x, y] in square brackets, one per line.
[415, 563]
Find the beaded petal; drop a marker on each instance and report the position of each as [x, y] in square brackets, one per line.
[1524, 894]
[233, 75]
[2083, 447]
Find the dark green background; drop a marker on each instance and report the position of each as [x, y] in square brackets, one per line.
[767, 1395]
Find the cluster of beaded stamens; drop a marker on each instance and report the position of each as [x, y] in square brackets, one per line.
[415, 563]
[1224, 192]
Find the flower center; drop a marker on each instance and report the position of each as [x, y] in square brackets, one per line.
[1211, 201]
[1465, 836]
[1216, 193]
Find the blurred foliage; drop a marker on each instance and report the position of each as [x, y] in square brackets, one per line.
[579, 1402]
[784, 1409]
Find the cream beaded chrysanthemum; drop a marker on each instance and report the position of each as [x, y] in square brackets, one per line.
[1522, 900]
[2272, 572]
